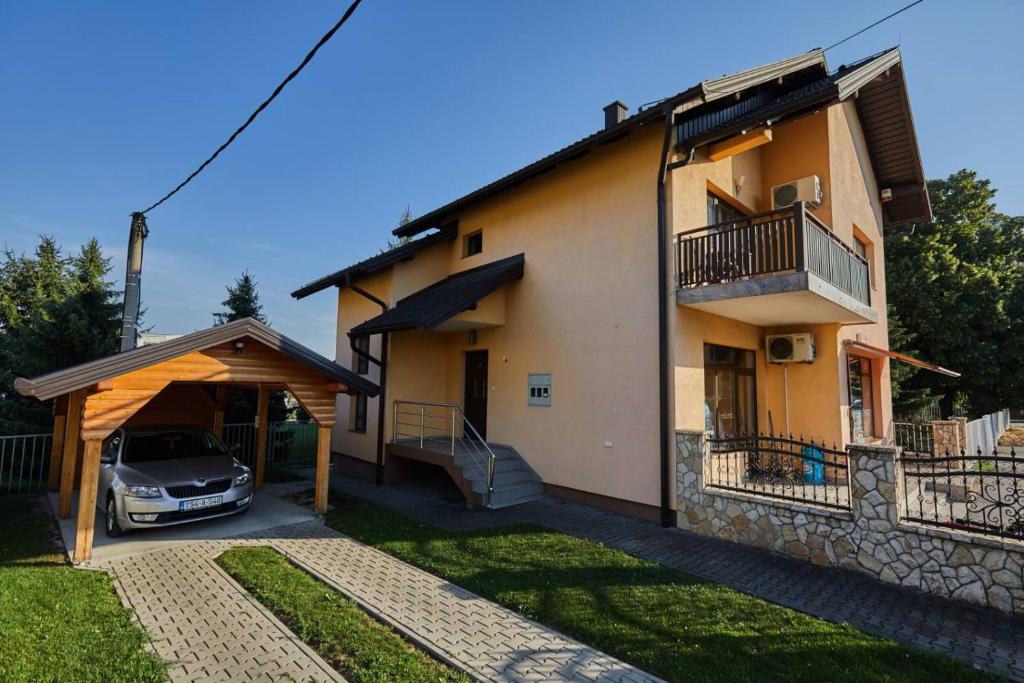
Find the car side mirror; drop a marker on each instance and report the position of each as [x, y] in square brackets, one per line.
[234, 448]
[106, 459]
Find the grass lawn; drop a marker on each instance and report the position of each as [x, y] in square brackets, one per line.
[356, 645]
[59, 623]
[661, 620]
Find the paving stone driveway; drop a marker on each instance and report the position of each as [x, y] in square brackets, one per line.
[198, 617]
[983, 638]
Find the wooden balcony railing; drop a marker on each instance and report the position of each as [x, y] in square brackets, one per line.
[773, 242]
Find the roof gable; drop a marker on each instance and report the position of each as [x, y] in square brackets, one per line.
[84, 375]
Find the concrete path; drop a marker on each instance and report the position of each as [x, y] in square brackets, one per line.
[980, 637]
[211, 629]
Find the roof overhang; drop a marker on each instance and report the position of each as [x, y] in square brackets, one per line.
[87, 374]
[430, 307]
[864, 349]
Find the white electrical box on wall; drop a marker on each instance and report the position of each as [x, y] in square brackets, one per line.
[539, 387]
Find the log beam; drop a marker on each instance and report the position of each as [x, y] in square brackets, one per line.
[323, 467]
[87, 501]
[262, 404]
[72, 432]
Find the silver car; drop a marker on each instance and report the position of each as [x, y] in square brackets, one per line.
[153, 477]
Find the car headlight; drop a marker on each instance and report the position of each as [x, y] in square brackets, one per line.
[242, 479]
[142, 491]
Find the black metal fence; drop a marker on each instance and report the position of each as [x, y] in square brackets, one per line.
[24, 463]
[780, 467]
[978, 493]
[914, 438]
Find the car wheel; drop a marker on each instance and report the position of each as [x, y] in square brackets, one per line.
[111, 524]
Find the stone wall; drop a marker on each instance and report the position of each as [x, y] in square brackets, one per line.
[869, 538]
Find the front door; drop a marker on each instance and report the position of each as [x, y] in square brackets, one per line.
[476, 393]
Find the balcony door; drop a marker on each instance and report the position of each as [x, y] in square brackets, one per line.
[730, 393]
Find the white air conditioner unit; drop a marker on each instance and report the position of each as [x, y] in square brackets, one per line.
[803, 190]
[790, 348]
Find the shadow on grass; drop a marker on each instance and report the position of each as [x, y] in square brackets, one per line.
[664, 621]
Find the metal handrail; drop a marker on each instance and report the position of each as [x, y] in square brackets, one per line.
[478, 449]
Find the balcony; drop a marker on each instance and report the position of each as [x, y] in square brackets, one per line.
[775, 268]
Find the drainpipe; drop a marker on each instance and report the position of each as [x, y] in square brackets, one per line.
[378, 478]
[667, 519]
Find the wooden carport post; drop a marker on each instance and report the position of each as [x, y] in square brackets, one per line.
[72, 431]
[60, 414]
[262, 403]
[223, 394]
[87, 501]
[323, 467]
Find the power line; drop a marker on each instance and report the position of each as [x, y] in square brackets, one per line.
[309, 57]
[868, 28]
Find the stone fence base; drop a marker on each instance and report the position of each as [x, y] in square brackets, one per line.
[869, 538]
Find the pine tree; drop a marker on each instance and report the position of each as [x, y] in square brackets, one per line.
[243, 302]
[70, 315]
[395, 242]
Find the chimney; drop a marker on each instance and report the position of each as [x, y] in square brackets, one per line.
[133, 282]
[614, 114]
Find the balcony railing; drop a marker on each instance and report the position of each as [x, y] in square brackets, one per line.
[775, 242]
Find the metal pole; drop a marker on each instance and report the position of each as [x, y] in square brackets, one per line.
[423, 410]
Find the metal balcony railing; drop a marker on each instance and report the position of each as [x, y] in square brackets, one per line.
[773, 242]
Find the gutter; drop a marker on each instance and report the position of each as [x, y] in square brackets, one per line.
[382, 382]
[667, 519]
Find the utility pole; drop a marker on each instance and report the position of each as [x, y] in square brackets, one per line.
[133, 282]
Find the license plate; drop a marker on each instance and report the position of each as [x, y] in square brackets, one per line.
[200, 503]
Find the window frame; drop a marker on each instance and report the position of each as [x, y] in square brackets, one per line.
[359, 413]
[866, 375]
[745, 365]
[469, 240]
[360, 363]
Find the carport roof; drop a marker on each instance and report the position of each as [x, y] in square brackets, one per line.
[86, 374]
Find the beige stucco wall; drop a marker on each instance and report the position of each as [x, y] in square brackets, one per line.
[828, 144]
[586, 309]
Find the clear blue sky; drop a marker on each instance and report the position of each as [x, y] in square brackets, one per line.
[106, 106]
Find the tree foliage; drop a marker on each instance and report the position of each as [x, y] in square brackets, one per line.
[956, 292]
[55, 312]
[243, 301]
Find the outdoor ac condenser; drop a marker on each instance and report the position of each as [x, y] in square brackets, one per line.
[790, 348]
[806, 189]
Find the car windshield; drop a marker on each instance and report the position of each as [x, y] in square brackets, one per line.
[171, 445]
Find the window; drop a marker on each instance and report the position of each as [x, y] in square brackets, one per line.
[862, 248]
[862, 400]
[359, 413]
[360, 360]
[720, 211]
[730, 396]
[473, 243]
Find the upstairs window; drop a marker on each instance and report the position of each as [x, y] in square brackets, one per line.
[720, 211]
[473, 243]
[359, 413]
[361, 362]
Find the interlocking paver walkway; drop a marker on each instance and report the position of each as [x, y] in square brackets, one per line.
[981, 637]
[198, 617]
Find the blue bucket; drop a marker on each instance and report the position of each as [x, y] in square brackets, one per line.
[814, 466]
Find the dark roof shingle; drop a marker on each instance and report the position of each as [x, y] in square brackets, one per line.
[429, 307]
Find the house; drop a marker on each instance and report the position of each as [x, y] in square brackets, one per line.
[553, 330]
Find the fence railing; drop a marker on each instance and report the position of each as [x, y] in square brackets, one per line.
[787, 240]
[443, 427]
[779, 467]
[914, 437]
[24, 463]
[978, 493]
[289, 443]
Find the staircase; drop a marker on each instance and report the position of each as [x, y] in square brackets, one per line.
[514, 480]
[489, 475]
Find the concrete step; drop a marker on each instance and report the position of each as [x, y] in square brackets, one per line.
[504, 480]
[504, 458]
[514, 495]
[475, 471]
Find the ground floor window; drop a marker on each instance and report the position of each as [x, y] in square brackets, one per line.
[862, 401]
[730, 395]
[359, 414]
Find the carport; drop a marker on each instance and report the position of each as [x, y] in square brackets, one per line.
[184, 381]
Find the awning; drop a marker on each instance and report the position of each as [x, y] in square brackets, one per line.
[877, 352]
[429, 307]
